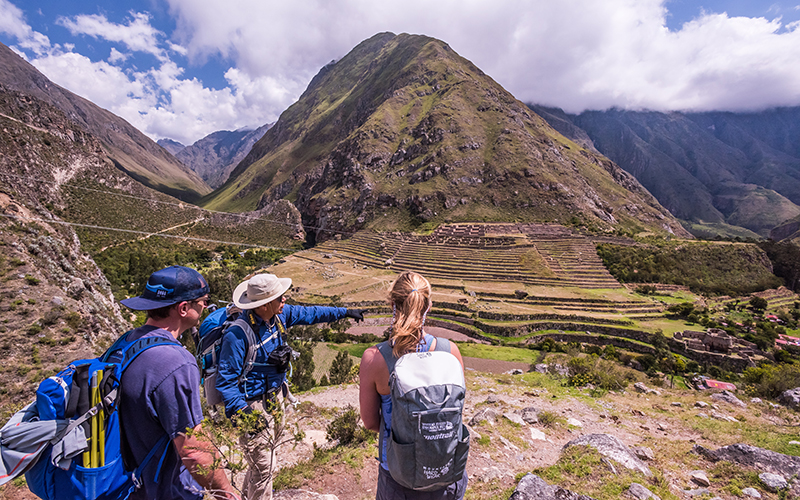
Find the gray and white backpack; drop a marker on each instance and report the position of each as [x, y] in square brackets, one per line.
[428, 445]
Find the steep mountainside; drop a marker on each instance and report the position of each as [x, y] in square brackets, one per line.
[789, 230]
[403, 131]
[710, 169]
[129, 149]
[58, 195]
[215, 156]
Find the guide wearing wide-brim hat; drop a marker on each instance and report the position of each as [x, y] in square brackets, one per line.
[259, 290]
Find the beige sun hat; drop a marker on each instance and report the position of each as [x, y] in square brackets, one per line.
[259, 290]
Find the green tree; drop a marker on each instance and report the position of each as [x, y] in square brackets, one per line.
[340, 369]
[303, 367]
[758, 303]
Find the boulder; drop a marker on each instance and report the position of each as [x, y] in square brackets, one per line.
[532, 487]
[574, 422]
[611, 447]
[752, 456]
[790, 398]
[514, 418]
[643, 453]
[537, 435]
[728, 397]
[487, 414]
[700, 477]
[639, 492]
[697, 492]
[773, 482]
[530, 415]
[751, 492]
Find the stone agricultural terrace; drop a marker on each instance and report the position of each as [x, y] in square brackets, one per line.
[533, 254]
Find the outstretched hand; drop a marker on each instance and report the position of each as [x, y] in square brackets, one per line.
[356, 314]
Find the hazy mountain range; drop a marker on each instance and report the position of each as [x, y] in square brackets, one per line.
[215, 156]
[718, 172]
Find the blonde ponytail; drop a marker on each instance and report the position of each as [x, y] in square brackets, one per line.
[410, 297]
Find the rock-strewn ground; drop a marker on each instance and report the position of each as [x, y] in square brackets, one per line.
[660, 429]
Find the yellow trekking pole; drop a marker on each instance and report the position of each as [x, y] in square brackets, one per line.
[95, 398]
[101, 426]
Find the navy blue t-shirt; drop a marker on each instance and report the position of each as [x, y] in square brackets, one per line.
[160, 395]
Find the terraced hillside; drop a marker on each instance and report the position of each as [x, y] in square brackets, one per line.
[534, 254]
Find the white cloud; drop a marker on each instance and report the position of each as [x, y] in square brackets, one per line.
[104, 84]
[575, 54]
[137, 34]
[117, 57]
[12, 22]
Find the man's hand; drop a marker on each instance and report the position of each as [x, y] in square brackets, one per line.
[356, 314]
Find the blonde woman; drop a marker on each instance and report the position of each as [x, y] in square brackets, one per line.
[410, 298]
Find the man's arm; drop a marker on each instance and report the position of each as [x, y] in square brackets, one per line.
[231, 360]
[198, 455]
[311, 315]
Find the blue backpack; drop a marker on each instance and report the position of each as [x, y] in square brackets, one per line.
[208, 342]
[77, 467]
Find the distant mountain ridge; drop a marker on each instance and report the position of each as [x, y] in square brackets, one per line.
[128, 148]
[216, 155]
[718, 171]
[402, 131]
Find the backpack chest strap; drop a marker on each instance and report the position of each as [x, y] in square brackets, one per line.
[253, 344]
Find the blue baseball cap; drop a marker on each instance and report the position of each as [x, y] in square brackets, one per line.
[167, 287]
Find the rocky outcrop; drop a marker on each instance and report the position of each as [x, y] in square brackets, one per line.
[728, 397]
[614, 449]
[790, 398]
[532, 487]
[744, 454]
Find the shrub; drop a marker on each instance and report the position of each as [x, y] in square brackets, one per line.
[303, 367]
[549, 418]
[73, 319]
[346, 428]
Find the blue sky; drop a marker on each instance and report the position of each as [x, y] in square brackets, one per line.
[182, 69]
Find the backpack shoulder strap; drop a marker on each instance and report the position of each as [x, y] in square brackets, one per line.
[251, 345]
[442, 344]
[385, 348]
[139, 346]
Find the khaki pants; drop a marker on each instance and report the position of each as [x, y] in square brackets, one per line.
[260, 455]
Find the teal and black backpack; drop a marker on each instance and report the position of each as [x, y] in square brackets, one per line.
[428, 445]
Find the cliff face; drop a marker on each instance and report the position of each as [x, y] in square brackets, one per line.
[403, 131]
[54, 301]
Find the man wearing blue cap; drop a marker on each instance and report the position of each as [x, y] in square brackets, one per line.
[160, 393]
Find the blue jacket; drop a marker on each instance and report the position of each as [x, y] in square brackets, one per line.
[232, 353]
